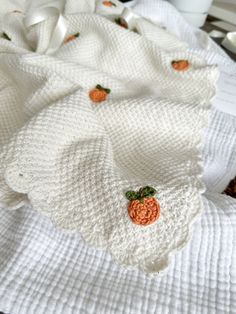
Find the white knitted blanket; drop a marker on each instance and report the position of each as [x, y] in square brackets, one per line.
[74, 160]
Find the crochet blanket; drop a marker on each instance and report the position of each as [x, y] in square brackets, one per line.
[109, 111]
[45, 270]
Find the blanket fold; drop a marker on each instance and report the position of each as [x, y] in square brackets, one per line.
[73, 157]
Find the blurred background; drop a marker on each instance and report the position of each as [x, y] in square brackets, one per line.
[196, 11]
[216, 17]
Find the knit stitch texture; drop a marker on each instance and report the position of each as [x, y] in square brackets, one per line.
[74, 160]
[46, 270]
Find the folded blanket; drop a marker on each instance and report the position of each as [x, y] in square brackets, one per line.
[45, 270]
[109, 112]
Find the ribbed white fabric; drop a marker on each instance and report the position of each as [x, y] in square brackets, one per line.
[44, 270]
[219, 151]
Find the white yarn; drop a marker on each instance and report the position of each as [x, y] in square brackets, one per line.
[74, 160]
[44, 270]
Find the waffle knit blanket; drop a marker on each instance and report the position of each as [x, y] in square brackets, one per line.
[73, 159]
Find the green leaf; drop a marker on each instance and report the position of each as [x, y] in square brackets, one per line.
[5, 36]
[147, 191]
[132, 195]
[99, 87]
[121, 22]
[77, 35]
[117, 20]
[107, 90]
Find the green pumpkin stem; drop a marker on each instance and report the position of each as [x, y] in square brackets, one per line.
[117, 20]
[107, 90]
[147, 191]
[143, 193]
[5, 36]
[132, 195]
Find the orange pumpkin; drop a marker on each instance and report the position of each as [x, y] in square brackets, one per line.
[72, 37]
[99, 94]
[143, 209]
[109, 4]
[121, 22]
[180, 65]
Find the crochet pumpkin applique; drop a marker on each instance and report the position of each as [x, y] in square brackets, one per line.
[121, 22]
[180, 65]
[143, 208]
[99, 94]
[109, 4]
[71, 37]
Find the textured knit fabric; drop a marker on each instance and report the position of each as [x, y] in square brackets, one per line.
[46, 271]
[43, 269]
[74, 159]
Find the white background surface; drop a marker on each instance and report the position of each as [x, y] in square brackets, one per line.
[43, 270]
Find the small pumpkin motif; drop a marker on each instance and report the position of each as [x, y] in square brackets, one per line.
[143, 208]
[180, 65]
[109, 4]
[99, 94]
[71, 37]
[121, 22]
